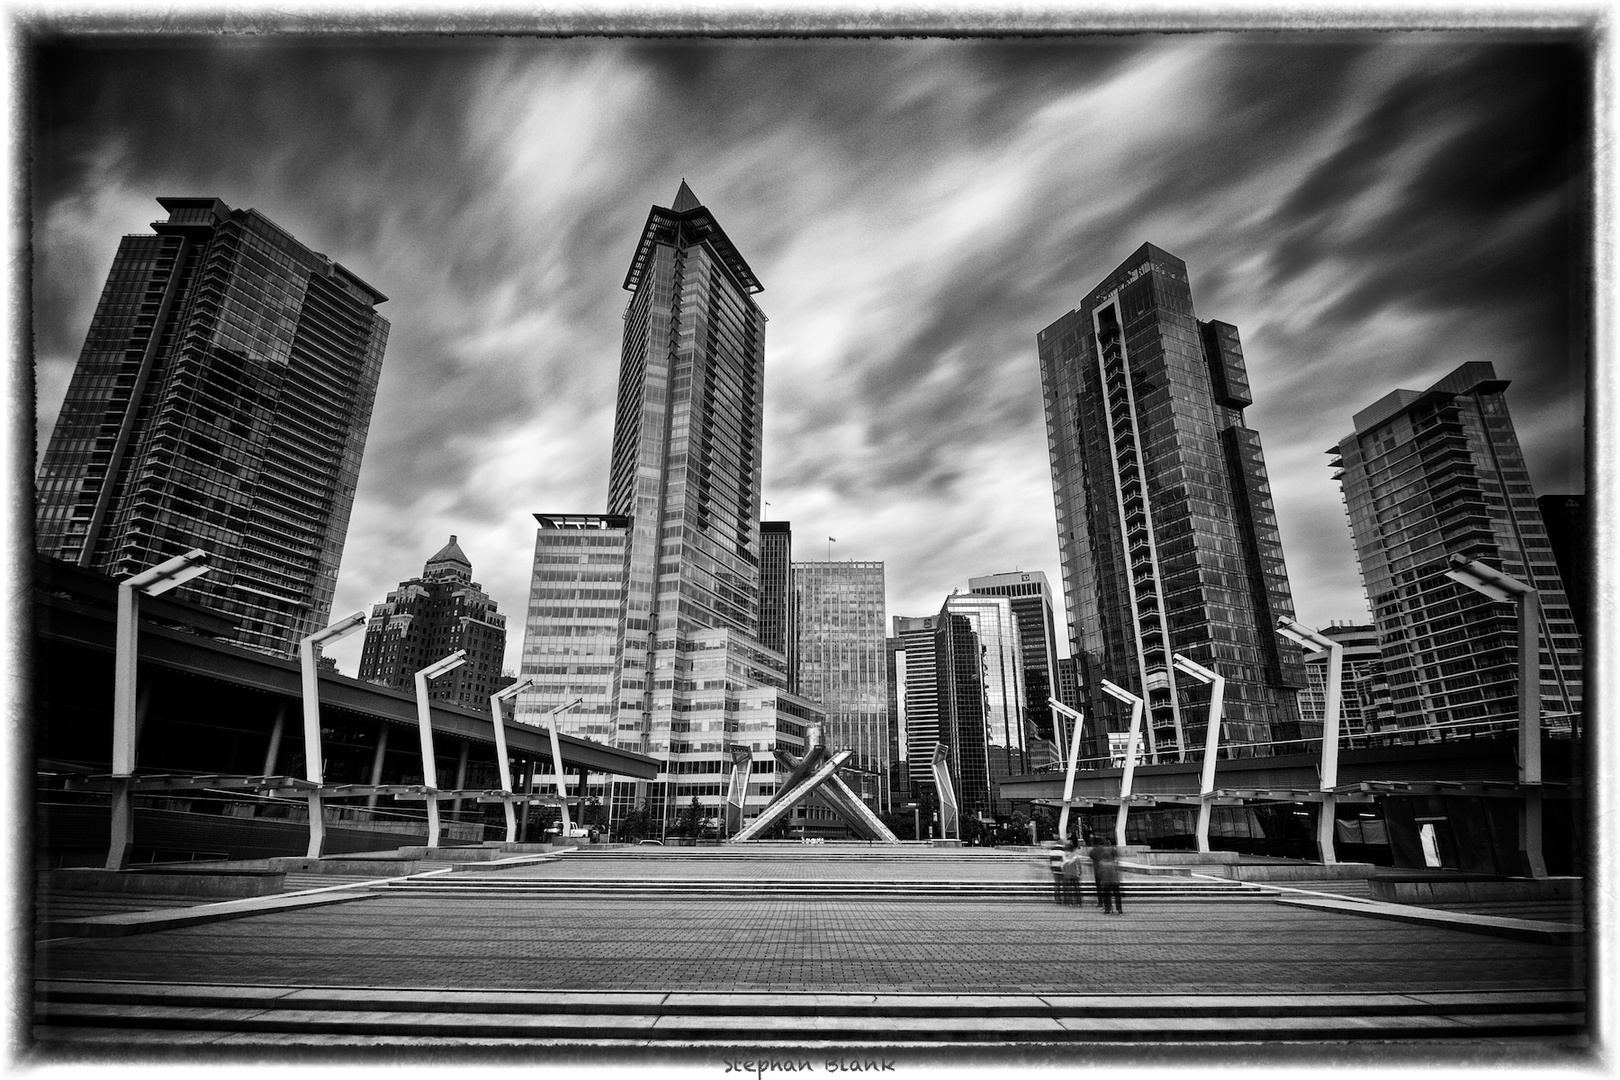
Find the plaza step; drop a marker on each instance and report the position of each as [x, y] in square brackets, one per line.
[149, 1014]
[493, 886]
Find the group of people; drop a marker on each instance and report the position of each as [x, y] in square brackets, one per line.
[1105, 868]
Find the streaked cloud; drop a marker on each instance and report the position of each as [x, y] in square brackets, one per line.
[1369, 212]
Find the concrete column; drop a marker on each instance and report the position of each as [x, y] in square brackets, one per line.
[377, 762]
[461, 780]
[273, 752]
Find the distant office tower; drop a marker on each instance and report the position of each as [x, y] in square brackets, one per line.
[427, 619]
[691, 680]
[894, 670]
[1068, 683]
[1031, 598]
[571, 630]
[1165, 523]
[221, 402]
[842, 663]
[1364, 699]
[1001, 656]
[944, 688]
[776, 615]
[1432, 474]
[1569, 534]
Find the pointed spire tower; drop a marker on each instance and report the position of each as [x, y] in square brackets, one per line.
[685, 200]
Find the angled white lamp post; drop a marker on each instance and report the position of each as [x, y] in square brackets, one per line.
[502, 762]
[1507, 590]
[1074, 762]
[1130, 754]
[308, 653]
[1212, 739]
[126, 642]
[1298, 632]
[424, 727]
[557, 765]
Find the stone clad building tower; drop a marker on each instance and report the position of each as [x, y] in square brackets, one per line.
[430, 617]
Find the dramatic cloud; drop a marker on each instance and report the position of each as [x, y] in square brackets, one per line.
[1370, 212]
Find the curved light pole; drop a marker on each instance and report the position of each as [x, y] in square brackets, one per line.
[1212, 739]
[502, 762]
[1130, 754]
[308, 650]
[424, 727]
[1507, 590]
[126, 643]
[1296, 631]
[1074, 762]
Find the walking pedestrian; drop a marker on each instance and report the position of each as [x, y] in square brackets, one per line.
[1070, 891]
[1105, 865]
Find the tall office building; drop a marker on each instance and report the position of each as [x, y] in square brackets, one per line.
[944, 693]
[690, 678]
[777, 620]
[571, 628]
[1031, 599]
[1001, 657]
[1436, 473]
[1570, 537]
[1165, 523]
[430, 617]
[1364, 699]
[842, 662]
[221, 402]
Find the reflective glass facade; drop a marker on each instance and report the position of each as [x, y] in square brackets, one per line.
[430, 617]
[1001, 656]
[944, 701]
[776, 615]
[1031, 598]
[1166, 528]
[1428, 475]
[689, 678]
[842, 662]
[221, 402]
[571, 629]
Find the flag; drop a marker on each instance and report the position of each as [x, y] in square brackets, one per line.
[832, 539]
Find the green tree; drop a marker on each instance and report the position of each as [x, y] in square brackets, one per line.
[690, 821]
[1045, 823]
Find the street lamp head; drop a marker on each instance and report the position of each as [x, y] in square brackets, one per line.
[1299, 633]
[1197, 671]
[1481, 578]
[170, 573]
[507, 692]
[341, 628]
[448, 663]
[1119, 692]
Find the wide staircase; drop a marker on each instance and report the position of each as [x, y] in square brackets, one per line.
[262, 1016]
[86, 1012]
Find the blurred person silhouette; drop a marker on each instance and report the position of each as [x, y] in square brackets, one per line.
[1105, 866]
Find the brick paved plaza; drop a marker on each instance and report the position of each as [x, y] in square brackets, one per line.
[435, 936]
[956, 946]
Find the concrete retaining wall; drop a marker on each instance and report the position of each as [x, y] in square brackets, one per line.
[176, 883]
[1452, 892]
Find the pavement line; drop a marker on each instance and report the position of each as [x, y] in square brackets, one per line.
[124, 923]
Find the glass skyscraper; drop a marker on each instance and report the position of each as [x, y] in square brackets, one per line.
[776, 615]
[1165, 522]
[571, 629]
[945, 701]
[1031, 599]
[221, 402]
[842, 662]
[1436, 473]
[1001, 656]
[690, 678]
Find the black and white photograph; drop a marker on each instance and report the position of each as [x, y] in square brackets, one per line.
[809, 540]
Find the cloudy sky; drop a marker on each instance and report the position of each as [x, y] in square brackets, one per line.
[1370, 211]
